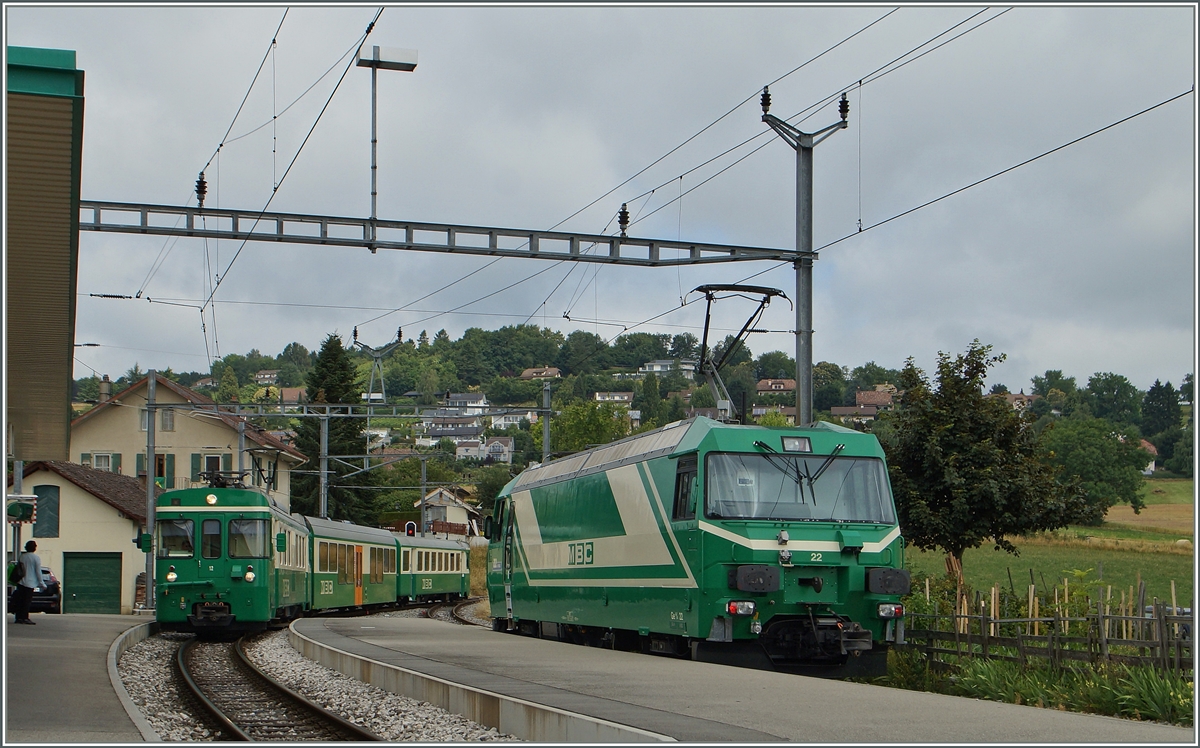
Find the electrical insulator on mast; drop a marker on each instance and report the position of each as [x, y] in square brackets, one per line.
[201, 190]
[766, 100]
[400, 334]
[844, 107]
[623, 218]
[356, 333]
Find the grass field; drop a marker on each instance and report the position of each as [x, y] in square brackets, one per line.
[1124, 547]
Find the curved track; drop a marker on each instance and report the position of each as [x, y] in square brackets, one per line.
[249, 705]
[436, 610]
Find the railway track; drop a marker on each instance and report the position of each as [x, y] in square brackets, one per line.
[456, 611]
[249, 705]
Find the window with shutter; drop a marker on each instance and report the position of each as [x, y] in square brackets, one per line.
[46, 525]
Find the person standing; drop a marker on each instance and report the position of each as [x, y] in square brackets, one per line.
[31, 577]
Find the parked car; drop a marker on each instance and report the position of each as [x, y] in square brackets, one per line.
[47, 598]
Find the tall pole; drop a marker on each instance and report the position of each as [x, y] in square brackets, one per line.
[18, 477]
[324, 490]
[546, 421]
[423, 494]
[241, 447]
[804, 143]
[374, 145]
[151, 381]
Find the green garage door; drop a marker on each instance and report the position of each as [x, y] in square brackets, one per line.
[91, 583]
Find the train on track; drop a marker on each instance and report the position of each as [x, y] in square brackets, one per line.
[229, 559]
[775, 548]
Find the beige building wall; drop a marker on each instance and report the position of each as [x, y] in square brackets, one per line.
[86, 524]
[118, 431]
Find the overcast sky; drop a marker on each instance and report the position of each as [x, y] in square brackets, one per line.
[1084, 260]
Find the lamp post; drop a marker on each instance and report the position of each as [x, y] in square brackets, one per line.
[387, 58]
[803, 143]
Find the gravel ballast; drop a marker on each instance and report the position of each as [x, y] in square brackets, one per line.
[147, 671]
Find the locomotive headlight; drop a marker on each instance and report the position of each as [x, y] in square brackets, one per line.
[891, 610]
[249, 574]
[171, 575]
[741, 607]
[211, 498]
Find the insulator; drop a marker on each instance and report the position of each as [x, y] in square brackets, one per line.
[766, 100]
[356, 333]
[201, 190]
[400, 334]
[844, 107]
[623, 218]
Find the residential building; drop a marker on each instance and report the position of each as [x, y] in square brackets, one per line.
[542, 372]
[497, 449]
[855, 413]
[466, 450]
[684, 395]
[788, 412]
[882, 397]
[467, 403]
[446, 507]
[614, 397]
[112, 437]
[505, 420]
[86, 521]
[293, 395]
[204, 382]
[635, 418]
[1019, 401]
[768, 386]
[662, 367]
[266, 376]
[1146, 445]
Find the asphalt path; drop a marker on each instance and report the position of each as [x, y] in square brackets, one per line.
[694, 701]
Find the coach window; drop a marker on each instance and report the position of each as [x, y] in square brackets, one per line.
[685, 479]
[210, 538]
[404, 560]
[343, 569]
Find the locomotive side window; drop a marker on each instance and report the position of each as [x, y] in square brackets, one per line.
[685, 478]
[210, 538]
[175, 538]
[247, 538]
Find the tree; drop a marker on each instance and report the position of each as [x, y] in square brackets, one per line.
[582, 353]
[649, 400]
[227, 390]
[1113, 397]
[1053, 380]
[1106, 460]
[998, 389]
[772, 418]
[684, 345]
[675, 410]
[967, 468]
[829, 385]
[1160, 408]
[1185, 389]
[332, 380]
[1184, 461]
[740, 355]
[490, 481]
[585, 424]
[775, 365]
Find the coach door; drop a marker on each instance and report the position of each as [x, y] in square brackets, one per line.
[358, 574]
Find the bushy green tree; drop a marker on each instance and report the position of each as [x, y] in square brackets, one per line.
[775, 365]
[1114, 398]
[582, 353]
[1183, 462]
[966, 468]
[1052, 380]
[488, 483]
[648, 399]
[228, 390]
[585, 424]
[1106, 460]
[684, 345]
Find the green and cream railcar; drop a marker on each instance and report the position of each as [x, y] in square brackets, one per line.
[228, 559]
[774, 548]
[352, 566]
[432, 568]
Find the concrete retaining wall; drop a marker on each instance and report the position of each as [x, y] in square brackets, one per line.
[509, 715]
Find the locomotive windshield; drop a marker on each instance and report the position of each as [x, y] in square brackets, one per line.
[793, 487]
[175, 538]
[247, 538]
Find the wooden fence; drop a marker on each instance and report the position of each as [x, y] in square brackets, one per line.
[1161, 638]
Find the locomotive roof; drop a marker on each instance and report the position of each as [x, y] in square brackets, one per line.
[676, 438]
[328, 528]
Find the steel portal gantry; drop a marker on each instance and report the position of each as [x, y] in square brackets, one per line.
[345, 231]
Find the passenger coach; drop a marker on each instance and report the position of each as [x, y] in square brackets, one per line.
[765, 547]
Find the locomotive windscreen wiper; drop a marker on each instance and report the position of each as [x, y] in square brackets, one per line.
[793, 472]
[825, 465]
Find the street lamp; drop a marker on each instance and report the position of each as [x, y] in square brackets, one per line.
[386, 58]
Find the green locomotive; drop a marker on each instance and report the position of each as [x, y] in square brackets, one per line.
[763, 547]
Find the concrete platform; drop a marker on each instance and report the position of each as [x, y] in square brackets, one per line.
[501, 679]
[57, 681]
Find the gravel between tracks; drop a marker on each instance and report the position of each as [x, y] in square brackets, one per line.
[147, 672]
